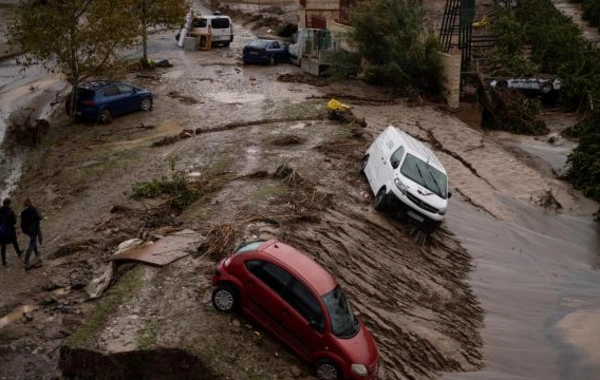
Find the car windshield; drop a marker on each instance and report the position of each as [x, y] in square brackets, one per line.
[343, 322]
[425, 175]
[258, 43]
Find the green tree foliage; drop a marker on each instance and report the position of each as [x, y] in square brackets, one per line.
[584, 161]
[77, 38]
[392, 38]
[558, 47]
[152, 13]
[511, 47]
[591, 12]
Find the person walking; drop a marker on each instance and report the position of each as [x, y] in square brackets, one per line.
[30, 225]
[8, 233]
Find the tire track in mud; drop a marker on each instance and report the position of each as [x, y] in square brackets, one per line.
[415, 299]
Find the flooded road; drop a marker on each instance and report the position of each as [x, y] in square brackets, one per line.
[537, 279]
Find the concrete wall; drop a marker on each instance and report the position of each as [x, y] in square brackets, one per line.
[339, 32]
[452, 64]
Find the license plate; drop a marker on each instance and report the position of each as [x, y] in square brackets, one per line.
[220, 38]
[79, 113]
[253, 53]
[415, 216]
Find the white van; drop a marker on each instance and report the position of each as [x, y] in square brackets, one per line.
[218, 26]
[406, 176]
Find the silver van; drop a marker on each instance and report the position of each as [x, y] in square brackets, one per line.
[406, 176]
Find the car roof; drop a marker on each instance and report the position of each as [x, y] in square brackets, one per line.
[97, 84]
[302, 266]
[416, 148]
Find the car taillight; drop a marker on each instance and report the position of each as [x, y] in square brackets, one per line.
[88, 103]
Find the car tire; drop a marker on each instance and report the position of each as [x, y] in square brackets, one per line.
[146, 104]
[177, 37]
[327, 370]
[271, 61]
[225, 298]
[363, 164]
[105, 117]
[226, 44]
[380, 201]
[546, 88]
[501, 84]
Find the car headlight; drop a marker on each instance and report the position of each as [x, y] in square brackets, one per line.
[359, 369]
[442, 211]
[402, 187]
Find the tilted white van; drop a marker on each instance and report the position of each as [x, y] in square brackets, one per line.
[406, 176]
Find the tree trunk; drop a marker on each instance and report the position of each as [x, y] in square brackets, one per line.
[145, 31]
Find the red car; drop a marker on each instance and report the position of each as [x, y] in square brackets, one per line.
[298, 301]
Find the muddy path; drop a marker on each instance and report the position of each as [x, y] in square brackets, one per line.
[419, 296]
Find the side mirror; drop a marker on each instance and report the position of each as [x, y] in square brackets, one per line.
[449, 194]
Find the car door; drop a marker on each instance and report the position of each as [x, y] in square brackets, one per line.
[374, 152]
[265, 285]
[131, 102]
[384, 171]
[276, 51]
[303, 318]
[113, 99]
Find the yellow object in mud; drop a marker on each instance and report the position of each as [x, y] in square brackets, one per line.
[335, 106]
[481, 23]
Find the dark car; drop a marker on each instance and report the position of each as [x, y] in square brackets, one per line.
[299, 302]
[261, 50]
[101, 100]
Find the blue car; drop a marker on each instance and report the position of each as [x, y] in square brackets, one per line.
[102, 100]
[261, 50]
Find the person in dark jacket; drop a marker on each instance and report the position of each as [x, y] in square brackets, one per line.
[8, 233]
[30, 225]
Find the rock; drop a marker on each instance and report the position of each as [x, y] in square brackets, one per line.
[27, 317]
[128, 244]
[47, 301]
[78, 283]
[98, 285]
[295, 371]
[236, 323]
[49, 286]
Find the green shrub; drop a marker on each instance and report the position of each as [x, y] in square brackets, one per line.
[591, 12]
[177, 189]
[399, 51]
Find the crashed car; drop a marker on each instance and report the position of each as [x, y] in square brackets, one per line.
[299, 302]
[406, 177]
[542, 85]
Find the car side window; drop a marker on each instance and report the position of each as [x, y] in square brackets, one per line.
[397, 157]
[270, 274]
[111, 90]
[124, 89]
[305, 303]
[275, 45]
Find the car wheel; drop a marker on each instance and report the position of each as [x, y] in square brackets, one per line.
[225, 298]
[380, 200]
[105, 117]
[226, 44]
[177, 37]
[502, 84]
[146, 104]
[546, 89]
[327, 370]
[272, 61]
[363, 164]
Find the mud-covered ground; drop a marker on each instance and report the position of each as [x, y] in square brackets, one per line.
[413, 293]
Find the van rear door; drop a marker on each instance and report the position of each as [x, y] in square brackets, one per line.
[222, 30]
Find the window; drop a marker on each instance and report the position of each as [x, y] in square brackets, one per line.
[270, 274]
[124, 89]
[111, 90]
[249, 247]
[275, 45]
[220, 23]
[301, 299]
[343, 322]
[199, 23]
[425, 175]
[397, 157]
